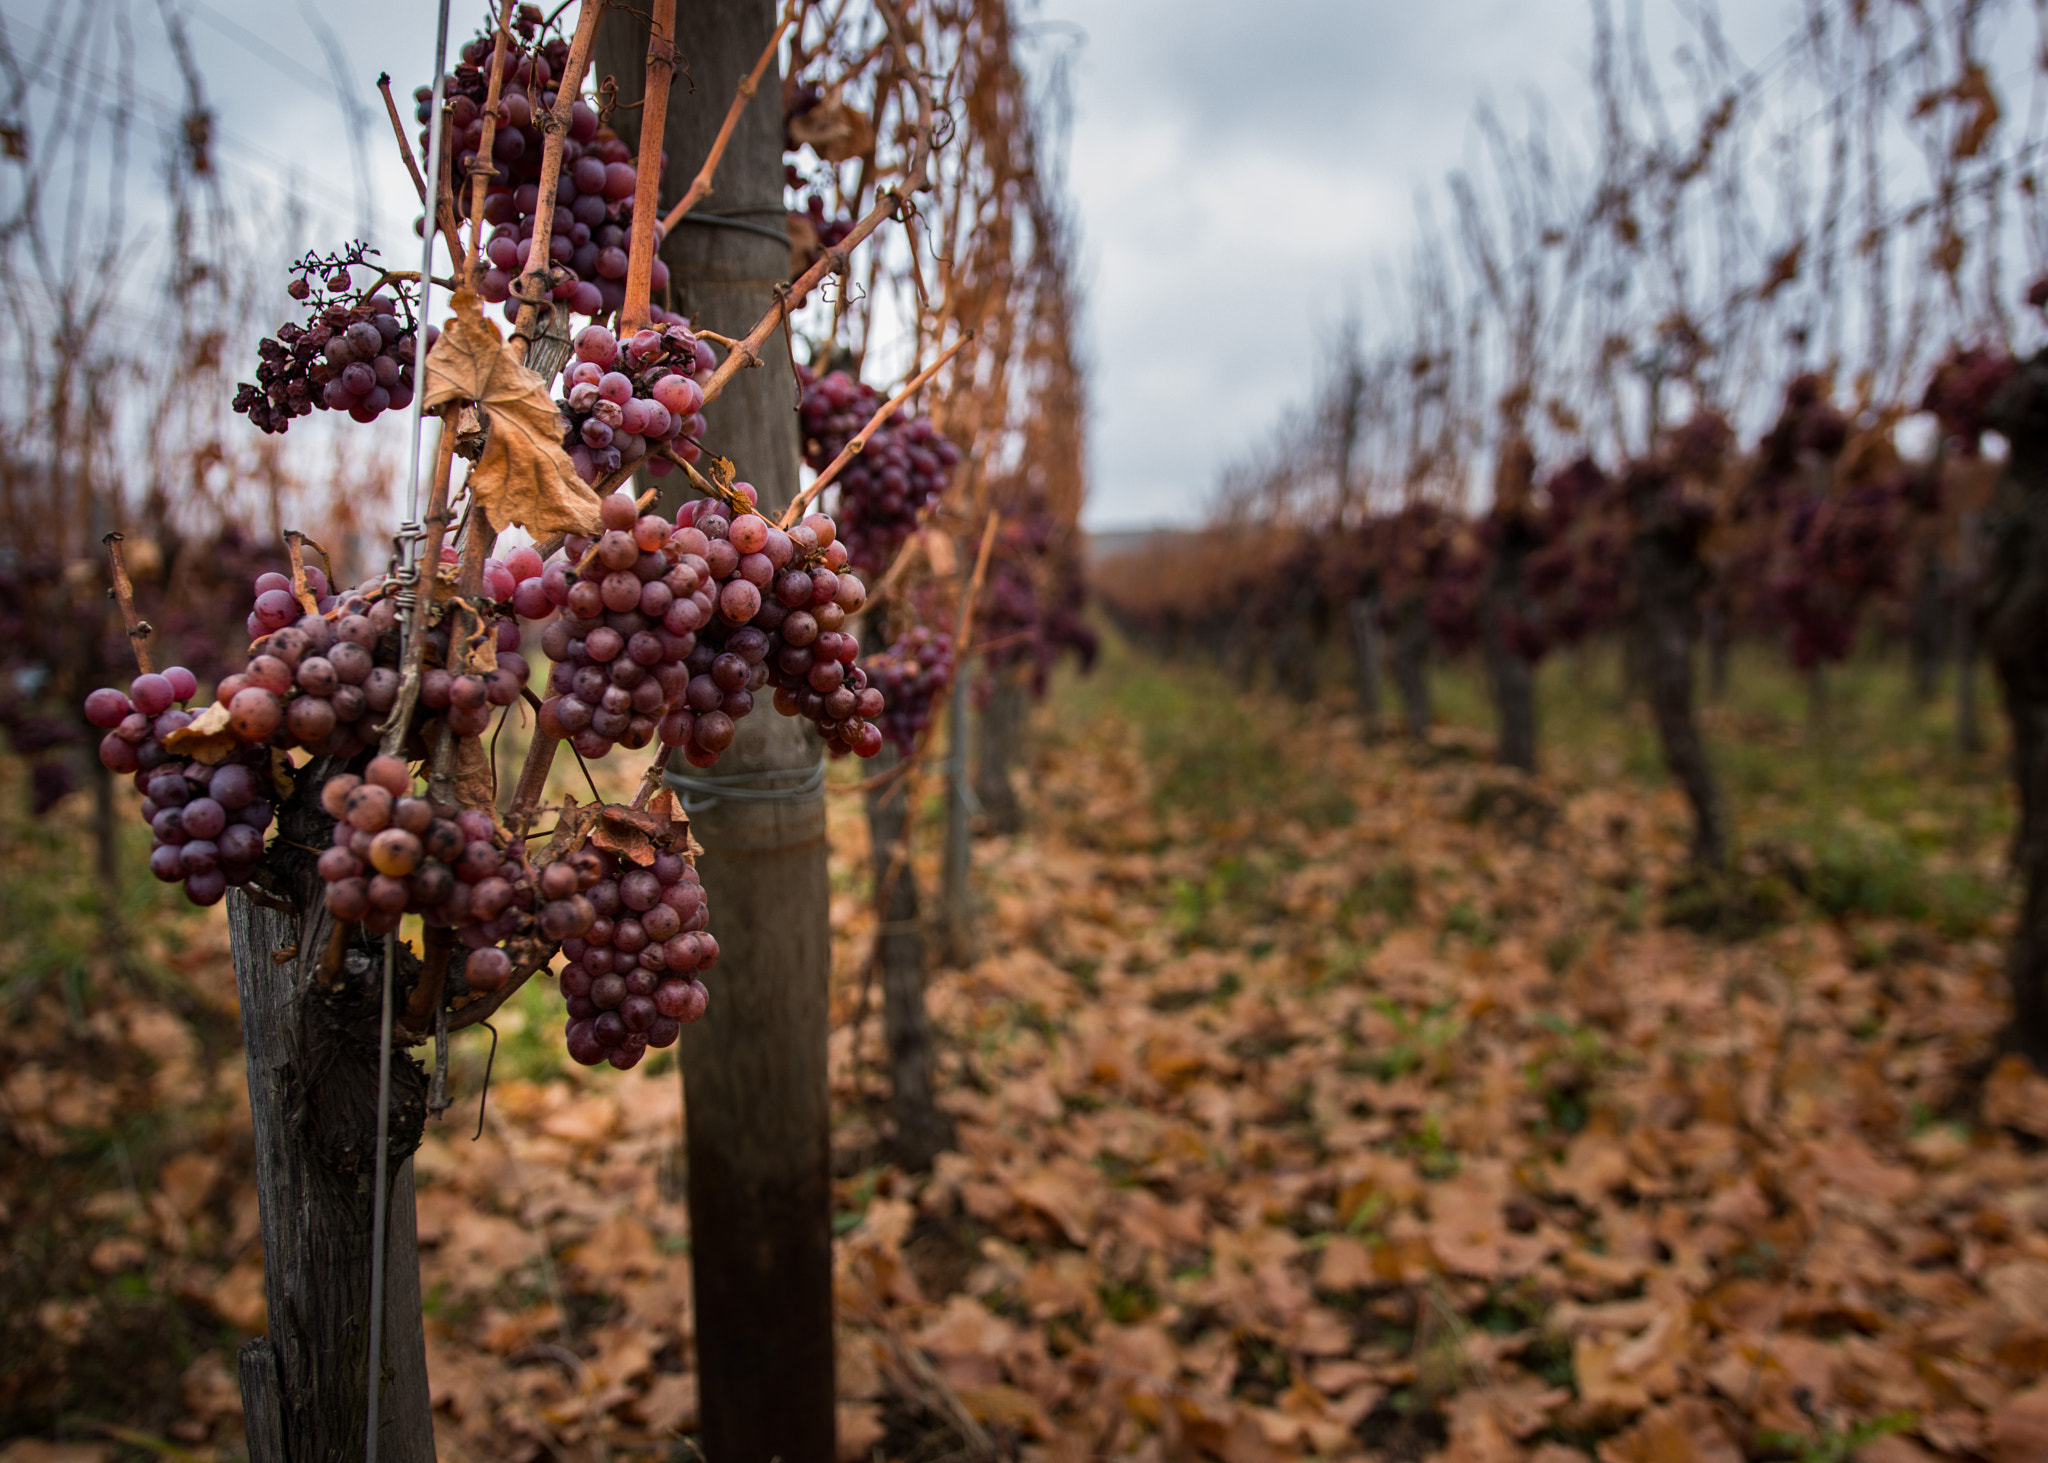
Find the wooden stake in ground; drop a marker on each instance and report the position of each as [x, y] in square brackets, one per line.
[312, 1054]
[754, 1075]
[2012, 608]
[922, 1131]
[956, 919]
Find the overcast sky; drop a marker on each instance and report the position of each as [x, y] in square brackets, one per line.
[1242, 170]
[1239, 171]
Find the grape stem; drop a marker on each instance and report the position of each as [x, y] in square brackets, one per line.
[661, 70]
[139, 629]
[651, 779]
[484, 168]
[888, 202]
[700, 186]
[419, 183]
[554, 127]
[966, 617]
[859, 443]
[484, 1007]
[295, 551]
[306, 540]
[426, 995]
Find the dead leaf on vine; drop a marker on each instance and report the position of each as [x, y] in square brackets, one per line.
[206, 738]
[833, 130]
[523, 477]
[572, 823]
[476, 781]
[628, 833]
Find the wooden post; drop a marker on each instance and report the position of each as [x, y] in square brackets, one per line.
[1969, 733]
[956, 918]
[2012, 618]
[756, 1100]
[1000, 747]
[1361, 618]
[312, 1054]
[922, 1131]
[1668, 578]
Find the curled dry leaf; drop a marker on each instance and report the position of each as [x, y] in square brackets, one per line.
[523, 476]
[629, 833]
[206, 738]
[476, 781]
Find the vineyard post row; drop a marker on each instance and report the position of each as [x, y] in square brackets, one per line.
[756, 1102]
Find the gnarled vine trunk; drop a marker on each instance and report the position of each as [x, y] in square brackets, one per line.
[312, 1054]
[1000, 747]
[1668, 577]
[1928, 625]
[1410, 664]
[1361, 620]
[1512, 673]
[2012, 609]
[922, 1131]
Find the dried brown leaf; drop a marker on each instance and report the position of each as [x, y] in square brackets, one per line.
[523, 477]
[627, 833]
[476, 780]
[206, 738]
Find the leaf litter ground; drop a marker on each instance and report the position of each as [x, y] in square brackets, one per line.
[1315, 1100]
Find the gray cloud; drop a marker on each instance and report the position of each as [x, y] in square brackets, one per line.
[1239, 171]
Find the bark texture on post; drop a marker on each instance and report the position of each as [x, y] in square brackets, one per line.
[2013, 614]
[312, 1054]
[1410, 664]
[1668, 577]
[922, 1131]
[1361, 619]
[1507, 611]
[1928, 625]
[1969, 729]
[956, 910]
[756, 1102]
[1000, 747]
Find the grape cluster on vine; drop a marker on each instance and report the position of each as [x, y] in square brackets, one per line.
[903, 470]
[354, 353]
[669, 630]
[634, 976]
[594, 196]
[624, 400]
[913, 676]
[206, 821]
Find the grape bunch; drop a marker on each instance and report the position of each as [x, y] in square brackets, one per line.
[630, 606]
[594, 194]
[670, 630]
[783, 602]
[1961, 392]
[903, 470]
[623, 401]
[912, 676]
[634, 974]
[353, 354]
[206, 822]
[395, 853]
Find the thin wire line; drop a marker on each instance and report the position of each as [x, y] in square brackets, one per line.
[429, 227]
[702, 793]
